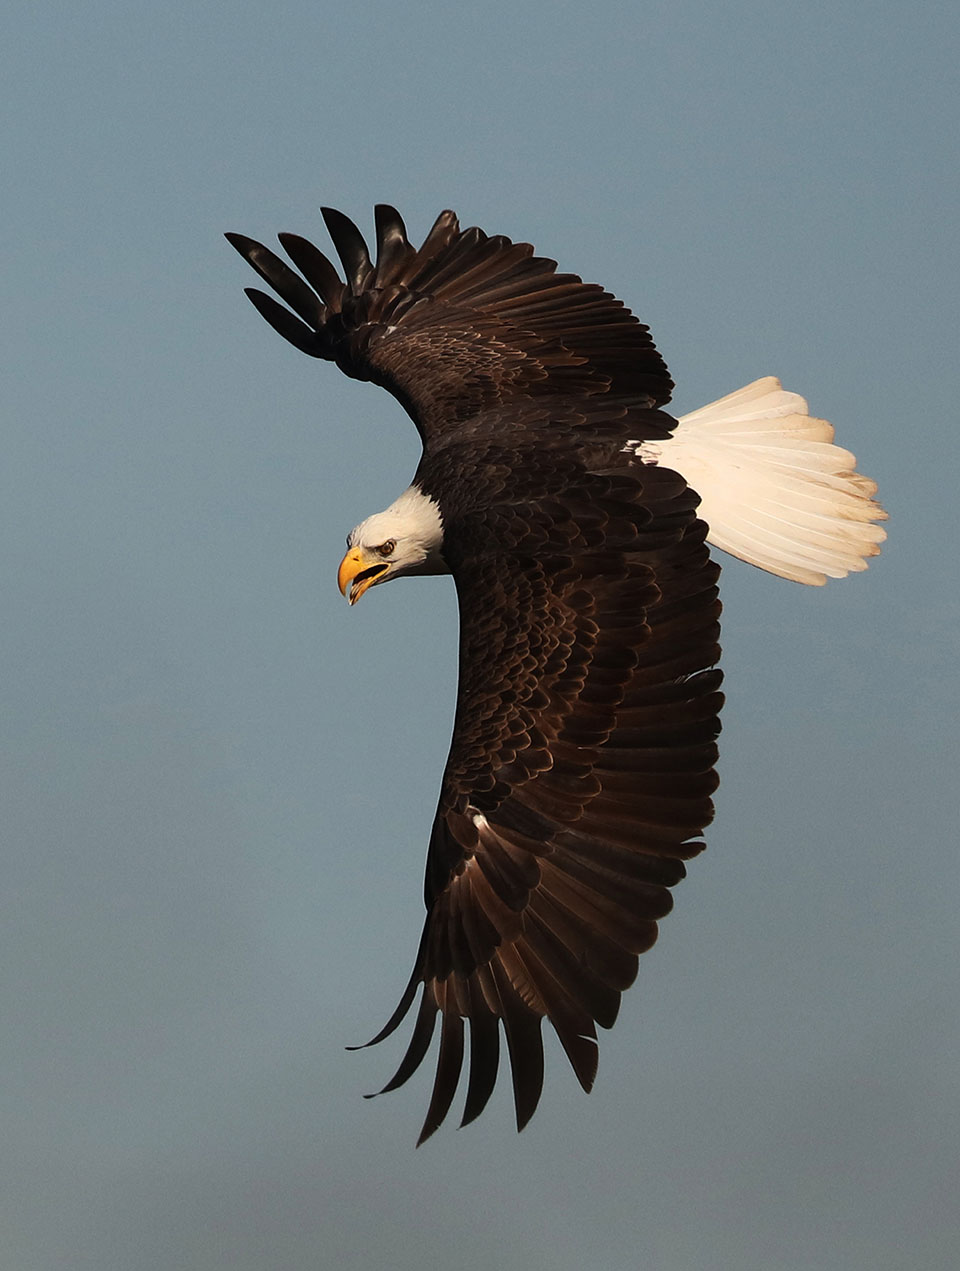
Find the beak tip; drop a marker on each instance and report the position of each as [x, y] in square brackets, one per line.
[358, 572]
[350, 566]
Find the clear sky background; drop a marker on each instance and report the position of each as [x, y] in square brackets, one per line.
[218, 779]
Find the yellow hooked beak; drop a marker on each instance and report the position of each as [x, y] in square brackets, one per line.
[362, 569]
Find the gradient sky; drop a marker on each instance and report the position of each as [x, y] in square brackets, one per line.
[218, 779]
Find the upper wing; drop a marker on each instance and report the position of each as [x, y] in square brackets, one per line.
[461, 325]
[579, 777]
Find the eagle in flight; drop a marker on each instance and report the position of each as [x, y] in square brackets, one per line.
[574, 514]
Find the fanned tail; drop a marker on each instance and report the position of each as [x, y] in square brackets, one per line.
[774, 489]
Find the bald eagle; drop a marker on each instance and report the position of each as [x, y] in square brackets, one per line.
[574, 514]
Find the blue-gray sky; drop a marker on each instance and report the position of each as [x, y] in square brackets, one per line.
[218, 779]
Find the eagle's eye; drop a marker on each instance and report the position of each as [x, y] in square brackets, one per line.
[386, 549]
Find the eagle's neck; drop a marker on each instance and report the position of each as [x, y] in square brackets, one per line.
[418, 521]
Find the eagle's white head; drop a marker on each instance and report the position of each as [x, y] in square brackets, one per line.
[404, 538]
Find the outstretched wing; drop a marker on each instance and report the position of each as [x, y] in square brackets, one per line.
[464, 324]
[579, 776]
[581, 766]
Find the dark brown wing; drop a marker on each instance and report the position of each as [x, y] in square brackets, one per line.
[462, 325]
[580, 771]
[581, 766]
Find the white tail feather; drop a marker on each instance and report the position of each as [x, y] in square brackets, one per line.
[774, 489]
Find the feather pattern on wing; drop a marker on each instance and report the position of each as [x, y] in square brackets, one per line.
[464, 324]
[581, 769]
